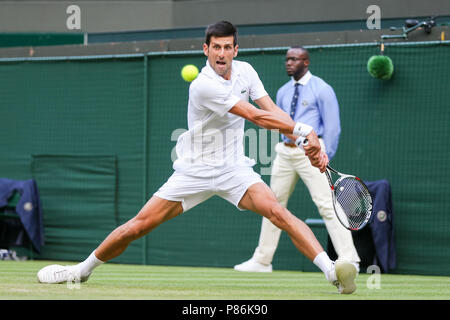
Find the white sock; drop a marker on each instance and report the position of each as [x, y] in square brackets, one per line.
[89, 264]
[324, 263]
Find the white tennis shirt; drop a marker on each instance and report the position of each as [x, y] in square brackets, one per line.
[214, 141]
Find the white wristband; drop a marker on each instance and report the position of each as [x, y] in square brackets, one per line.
[302, 129]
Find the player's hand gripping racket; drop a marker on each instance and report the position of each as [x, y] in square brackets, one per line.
[352, 201]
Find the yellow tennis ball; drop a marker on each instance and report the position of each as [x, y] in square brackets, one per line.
[189, 72]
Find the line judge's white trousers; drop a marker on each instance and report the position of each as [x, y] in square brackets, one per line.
[288, 166]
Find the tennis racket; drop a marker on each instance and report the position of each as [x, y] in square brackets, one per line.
[352, 201]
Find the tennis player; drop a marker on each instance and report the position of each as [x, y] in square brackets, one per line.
[211, 161]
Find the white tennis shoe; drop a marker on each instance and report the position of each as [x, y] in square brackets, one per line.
[343, 277]
[56, 273]
[253, 266]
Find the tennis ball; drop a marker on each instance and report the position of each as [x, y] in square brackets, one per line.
[380, 67]
[189, 72]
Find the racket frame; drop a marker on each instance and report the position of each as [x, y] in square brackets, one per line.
[333, 194]
[342, 176]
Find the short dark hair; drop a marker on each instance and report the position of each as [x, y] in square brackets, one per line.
[221, 29]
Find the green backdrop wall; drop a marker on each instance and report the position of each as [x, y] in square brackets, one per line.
[97, 134]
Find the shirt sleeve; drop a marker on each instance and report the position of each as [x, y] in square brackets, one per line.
[329, 110]
[214, 96]
[256, 89]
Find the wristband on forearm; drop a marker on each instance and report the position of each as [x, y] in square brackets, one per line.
[302, 129]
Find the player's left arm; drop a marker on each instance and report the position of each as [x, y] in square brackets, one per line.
[267, 104]
[274, 120]
[262, 118]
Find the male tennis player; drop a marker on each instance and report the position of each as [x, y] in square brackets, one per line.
[211, 161]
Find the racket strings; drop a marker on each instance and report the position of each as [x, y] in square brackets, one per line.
[355, 201]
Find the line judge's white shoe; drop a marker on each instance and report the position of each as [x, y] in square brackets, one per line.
[253, 266]
[343, 277]
[56, 273]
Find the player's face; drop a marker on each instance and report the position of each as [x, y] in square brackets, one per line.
[220, 53]
[297, 63]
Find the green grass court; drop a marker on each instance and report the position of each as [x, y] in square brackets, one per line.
[143, 282]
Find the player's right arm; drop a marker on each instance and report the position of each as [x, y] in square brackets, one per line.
[275, 120]
[263, 118]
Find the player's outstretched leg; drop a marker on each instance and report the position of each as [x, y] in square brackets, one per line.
[155, 212]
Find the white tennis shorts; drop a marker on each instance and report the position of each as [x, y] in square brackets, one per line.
[192, 190]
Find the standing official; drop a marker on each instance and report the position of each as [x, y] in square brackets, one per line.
[310, 100]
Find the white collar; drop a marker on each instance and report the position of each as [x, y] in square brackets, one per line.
[303, 80]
